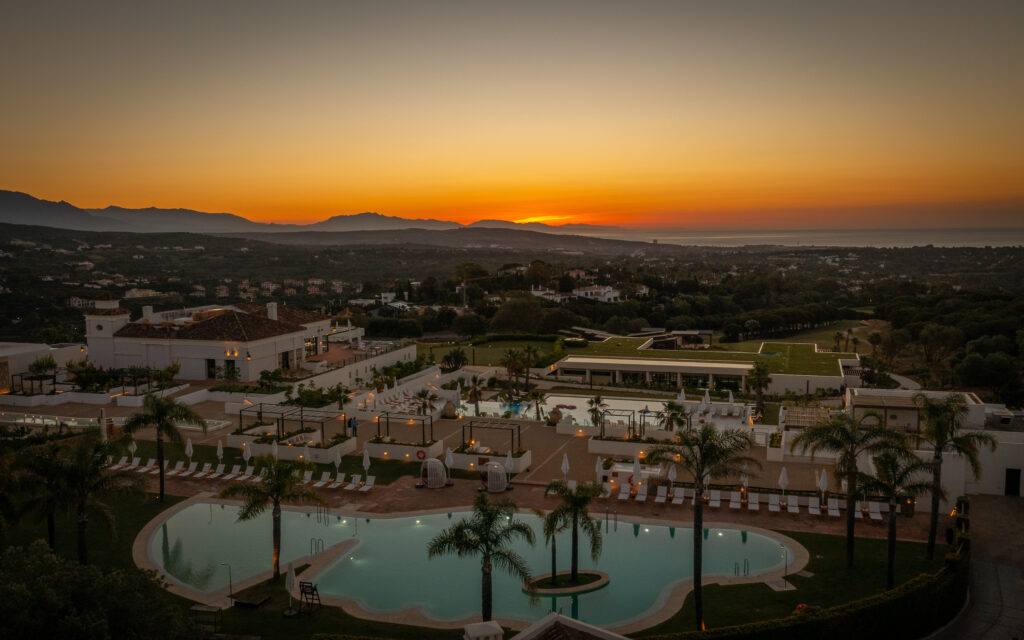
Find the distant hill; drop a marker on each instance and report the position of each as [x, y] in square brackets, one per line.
[22, 208]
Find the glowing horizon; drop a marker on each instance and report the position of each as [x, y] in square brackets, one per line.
[726, 115]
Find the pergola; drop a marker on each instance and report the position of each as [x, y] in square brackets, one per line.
[425, 422]
[628, 414]
[281, 414]
[514, 429]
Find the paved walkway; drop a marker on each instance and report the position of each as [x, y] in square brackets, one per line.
[905, 382]
[996, 608]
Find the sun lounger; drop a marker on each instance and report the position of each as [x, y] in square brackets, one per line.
[549, 491]
[156, 469]
[134, 464]
[218, 472]
[354, 484]
[325, 478]
[191, 469]
[814, 506]
[205, 470]
[662, 494]
[120, 463]
[735, 500]
[875, 510]
[858, 510]
[338, 481]
[146, 468]
[231, 474]
[773, 503]
[793, 506]
[716, 499]
[641, 494]
[833, 507]
[624, 492]
[753, 501]
[369, 483]
[177, 469]
[247, 475]
[679, 496]
[307, 477]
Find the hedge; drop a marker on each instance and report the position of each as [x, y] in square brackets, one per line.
[514, 337]
[912, 610]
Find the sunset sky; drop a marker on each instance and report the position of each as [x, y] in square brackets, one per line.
[697, 114]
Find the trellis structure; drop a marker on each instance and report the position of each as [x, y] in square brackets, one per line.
[628, 414]
[426, 422]
[514, 429]
[280, 414]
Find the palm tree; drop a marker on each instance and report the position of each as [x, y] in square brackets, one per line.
[847, 437]
[44, 467]
[595, 407]
[758, 380]
[279, 481]
[553, 524]
[574, 509]
[426, 399]
[837, 337]
[86, 482]
[703, 453]
[163, 414]
[856, 343]
[874, 340]
[674, 416]
[536, 396]
[898, 473]
[455, 358]
[512, 360]
[849, 334]
[8, 484]
[488, 532]
[530, 356]
[943, 420]
[474, 390]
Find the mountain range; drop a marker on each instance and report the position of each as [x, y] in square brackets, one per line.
[22, 208]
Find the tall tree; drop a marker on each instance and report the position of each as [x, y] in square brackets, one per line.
[703, 453]
[279, 481]
[943, 423]
[489, 532]
[758, 380]
[44, 477]
[530, 357]
[848, 438]
[87, 483]
[474, 391]
[674, 416]
[536, 396]
[596, 407]
[898, 473]
[426, 399]
[552, 524]
[575, 508]
[163, 414]
[512, 361]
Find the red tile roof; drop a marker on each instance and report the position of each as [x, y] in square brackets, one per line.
[284, 314]
[231, 326]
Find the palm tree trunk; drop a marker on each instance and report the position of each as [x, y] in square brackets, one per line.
[850, 522]
[486, 597]
[83, 520]
[698, 550]
[933, 519]
[51, 529]
[890, 572]
[477, 404]
[160, 459]
[554, 563]
[277, 542]
[575, 577]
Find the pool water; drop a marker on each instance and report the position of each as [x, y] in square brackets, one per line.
[389, 569]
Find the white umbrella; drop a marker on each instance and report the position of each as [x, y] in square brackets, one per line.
[188, 449]
[599, 468]
[672, 473]
[337, 459]
[823, 481]
[730, 396]
[706, 400]
[681, 398]
[458, 390]
[273, 449]
[843, 484]
[366, 461]
[744, 479]
[565, 467]
[817, 478]
[783, 480]
[305, 452]
[636, 470]
[508, 464]
[449, 460]
[289, 583]
[132, 447]
[220, 450]
[246, 454]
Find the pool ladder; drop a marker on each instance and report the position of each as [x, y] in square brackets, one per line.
[616, 516]
[746, 567]
[323, 515]
[316, 545]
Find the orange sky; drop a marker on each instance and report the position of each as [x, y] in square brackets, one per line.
[732, 114]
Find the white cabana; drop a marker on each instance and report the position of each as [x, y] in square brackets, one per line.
[433, 473]
[497, 481]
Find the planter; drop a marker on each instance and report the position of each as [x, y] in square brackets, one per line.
[474, 460]
[404, 451]
[602, 581]
[773, 454]
[566, 428]
[286, 452]
[136, 401]
[617, 448]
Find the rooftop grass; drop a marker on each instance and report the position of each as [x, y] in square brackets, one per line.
[488, 354]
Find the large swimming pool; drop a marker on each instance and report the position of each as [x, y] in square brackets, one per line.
[389, 570]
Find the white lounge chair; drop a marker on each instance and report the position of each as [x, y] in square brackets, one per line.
[338, 481]
[793, 506]
[231, 474]
[134, 464]
[735, 500]
[814, 506]
[679, 496]
[606, 489]
[156, 468]
[177, 469]
[191, 469]
[307, 477]
[325, 478]
[146, 468]
[875, 510]
[120, 463]
[662, 494]
[833, 507]
[624, 491]
[641, 494]
[753, 501]
[354, 484]
[858, 510]
[205, 470]
[773, 503]
[218, 472]
[369, 483]
[247, 475]
[716, 499]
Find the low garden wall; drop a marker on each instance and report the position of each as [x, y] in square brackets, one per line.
[404, 451]
[288, 452]
[56, 399]
[474, 460]
[617, 448]
[136, 400]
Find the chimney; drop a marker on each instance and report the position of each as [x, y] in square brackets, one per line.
[272, 310]
[147, 311]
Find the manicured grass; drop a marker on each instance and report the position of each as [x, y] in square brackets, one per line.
[831, 584]
[487, 354]
[771, 413]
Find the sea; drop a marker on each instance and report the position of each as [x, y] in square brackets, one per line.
[1010, 237]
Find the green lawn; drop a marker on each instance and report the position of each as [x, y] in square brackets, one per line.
[822, 336]
[487, 354]
[831, 584]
